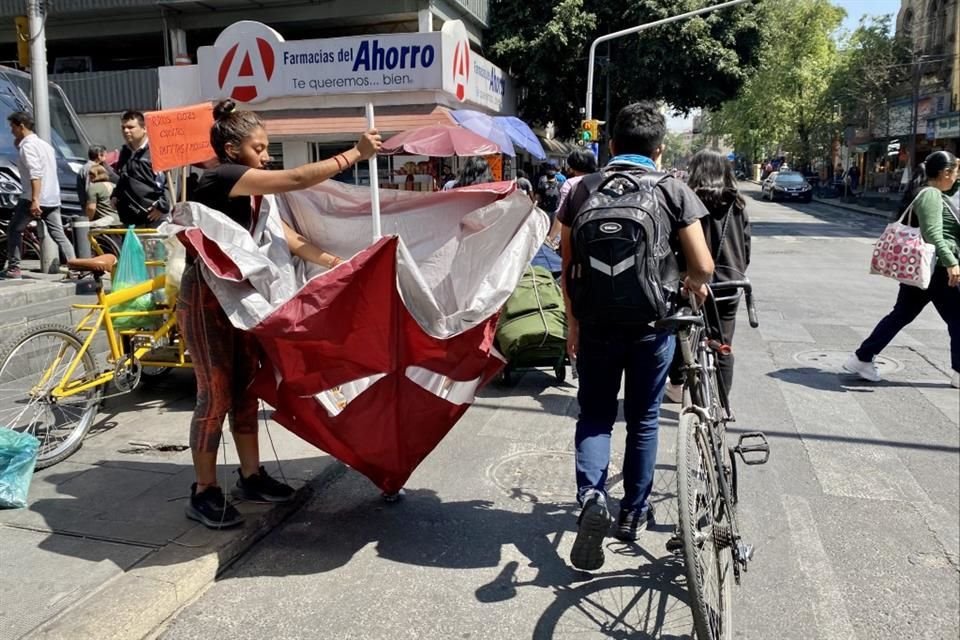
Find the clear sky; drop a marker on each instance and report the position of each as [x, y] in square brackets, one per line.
[855, 9]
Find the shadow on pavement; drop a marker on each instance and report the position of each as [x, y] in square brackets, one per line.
[423, 530]
[823, 380]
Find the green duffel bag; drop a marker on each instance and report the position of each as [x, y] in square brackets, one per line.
[536, 291]
[534, 338]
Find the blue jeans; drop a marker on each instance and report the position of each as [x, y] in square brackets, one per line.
[603, 359]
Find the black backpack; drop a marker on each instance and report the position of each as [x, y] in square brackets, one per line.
[623, 270]
[549, 192]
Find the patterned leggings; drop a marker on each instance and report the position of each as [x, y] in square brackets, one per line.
[224, 361]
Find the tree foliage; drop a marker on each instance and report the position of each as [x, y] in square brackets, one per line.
[700, 62]
[873, 61]
[812, 85]
[788, 104]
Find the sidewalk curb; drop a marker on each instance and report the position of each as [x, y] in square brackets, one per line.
[135, 604]
[867, 211]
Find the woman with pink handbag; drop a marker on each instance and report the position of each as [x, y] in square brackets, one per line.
[933, 204]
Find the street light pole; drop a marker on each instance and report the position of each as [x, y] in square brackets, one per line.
[36, 16]
[643, 27]
[38, 67]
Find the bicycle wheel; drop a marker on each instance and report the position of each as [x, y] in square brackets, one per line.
[703, 528]
[31, 365]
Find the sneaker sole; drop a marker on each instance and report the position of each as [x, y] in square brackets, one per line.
[854, 372]
[193, 514]
[241, 494]
[587, 553]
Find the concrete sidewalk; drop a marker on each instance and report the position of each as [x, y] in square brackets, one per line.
[104, 550]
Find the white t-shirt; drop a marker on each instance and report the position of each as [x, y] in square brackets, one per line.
[37, 160]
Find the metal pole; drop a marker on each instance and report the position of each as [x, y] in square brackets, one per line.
[912, 153]
[374, 182]
[49, 252]
[643, 27]
[38, 68]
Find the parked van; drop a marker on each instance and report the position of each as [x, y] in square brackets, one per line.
[68, 138]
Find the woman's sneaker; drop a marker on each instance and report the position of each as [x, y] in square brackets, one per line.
[260, 487]
[210, 508]
[866, 370]
[592, 527]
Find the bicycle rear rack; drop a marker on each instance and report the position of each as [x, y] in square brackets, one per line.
[753, 448]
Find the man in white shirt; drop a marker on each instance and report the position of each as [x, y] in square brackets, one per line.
[40, 199]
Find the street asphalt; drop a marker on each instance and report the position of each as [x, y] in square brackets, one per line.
[855, 518]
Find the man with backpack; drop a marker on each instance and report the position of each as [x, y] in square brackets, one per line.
[548, 191]
[629, 233]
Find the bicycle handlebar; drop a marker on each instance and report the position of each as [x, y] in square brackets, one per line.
[740, 285]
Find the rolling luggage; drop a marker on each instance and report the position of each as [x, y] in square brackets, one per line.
[533, 326]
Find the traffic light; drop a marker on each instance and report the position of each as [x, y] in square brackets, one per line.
[590, 130]
[23, 41]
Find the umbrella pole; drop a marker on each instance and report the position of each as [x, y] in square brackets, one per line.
[374, 182]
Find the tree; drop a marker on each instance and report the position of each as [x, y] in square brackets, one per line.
[677, 150]
[873, 62]
[701, 62]
[788, 105]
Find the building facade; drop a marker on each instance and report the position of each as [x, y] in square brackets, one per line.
[106, 54]
[931, 27]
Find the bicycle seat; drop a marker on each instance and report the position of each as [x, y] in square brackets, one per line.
[679, 321]
[99, 264]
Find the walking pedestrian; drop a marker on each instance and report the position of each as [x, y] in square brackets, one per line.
[548, 191]
[225, 359]
[932, 198]
[605, 348]
[727, 230]
[141, 193]
[40, 199]
[524, 184]
[581, 163]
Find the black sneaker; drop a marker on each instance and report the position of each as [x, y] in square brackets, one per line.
[631, 523]
[260, 487]
[210, 508]
[592, 527]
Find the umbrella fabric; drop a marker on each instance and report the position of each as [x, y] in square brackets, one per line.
[440, 141]
[522, 135]
[486, 126]
[376, 360]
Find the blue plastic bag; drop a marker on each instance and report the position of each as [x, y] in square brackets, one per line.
[131, 271]
[18, 456]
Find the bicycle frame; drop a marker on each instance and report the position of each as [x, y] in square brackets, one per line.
[101, 315]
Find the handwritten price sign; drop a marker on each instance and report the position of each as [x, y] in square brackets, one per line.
[180, 137]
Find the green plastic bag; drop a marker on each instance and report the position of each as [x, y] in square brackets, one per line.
[131, 271]
[18, 456]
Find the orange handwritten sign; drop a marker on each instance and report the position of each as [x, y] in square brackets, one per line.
[180, 137]
[496, 166]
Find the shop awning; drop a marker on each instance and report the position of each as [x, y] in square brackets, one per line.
[554, 147]
[343, 124]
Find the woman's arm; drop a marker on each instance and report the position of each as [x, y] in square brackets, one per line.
[929, 210]
[301, 247]
[256, 182]
[90, 209]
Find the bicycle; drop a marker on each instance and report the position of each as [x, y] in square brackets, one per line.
[50, 383]
[708, 536]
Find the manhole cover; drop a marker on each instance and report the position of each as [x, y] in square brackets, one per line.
[833, 360]
[540, 475]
